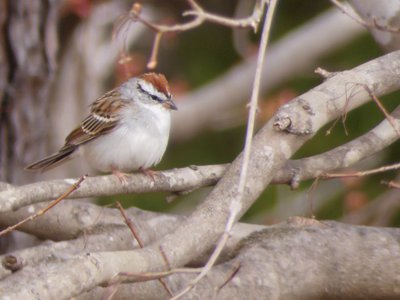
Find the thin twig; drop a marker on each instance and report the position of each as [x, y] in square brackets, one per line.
[235, 270]
[310, 195]
[361, 173]
[350, 92]
[154, 52]
[164, 256]
[127, 277]
[200, 16]
[236, 202]
[324, 73]
[383, 109]
[73, 187]
[390, 118]
[251, 21]
[110, 292]
[131, 227]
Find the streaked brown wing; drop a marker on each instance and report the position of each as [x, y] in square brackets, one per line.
[103, 118]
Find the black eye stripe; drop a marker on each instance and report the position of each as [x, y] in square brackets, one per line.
[154, 97]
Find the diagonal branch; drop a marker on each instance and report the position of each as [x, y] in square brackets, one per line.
[375, 140]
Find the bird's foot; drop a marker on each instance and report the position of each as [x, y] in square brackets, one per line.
[148, 172]
[123, 177]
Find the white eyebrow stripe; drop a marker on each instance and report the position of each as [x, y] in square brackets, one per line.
[151, 90]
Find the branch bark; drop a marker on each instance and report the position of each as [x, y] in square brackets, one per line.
[176, 180]
[296, 260]
[92, 229]
[28, 64]
[375, 140]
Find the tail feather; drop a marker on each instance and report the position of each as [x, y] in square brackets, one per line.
[53, 160]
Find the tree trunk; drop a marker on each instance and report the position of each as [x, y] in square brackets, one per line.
[28, 46]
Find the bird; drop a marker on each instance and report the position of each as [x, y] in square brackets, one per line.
[127, 129]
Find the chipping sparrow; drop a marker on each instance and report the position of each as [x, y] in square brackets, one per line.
[127, 128]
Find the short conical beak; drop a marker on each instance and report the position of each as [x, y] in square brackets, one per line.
[170, 104]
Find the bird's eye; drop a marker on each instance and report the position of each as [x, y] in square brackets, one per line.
[155, 98]
[148, 93]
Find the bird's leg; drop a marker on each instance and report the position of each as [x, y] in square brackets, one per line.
[121, 176]
[148, 172]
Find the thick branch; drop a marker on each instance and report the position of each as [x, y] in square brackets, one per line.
[176, 180]
[92, 228]
[295, 261]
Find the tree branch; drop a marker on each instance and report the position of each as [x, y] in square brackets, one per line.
[375, 140]
[199, 110]
[199, 17]
[176, 180]
[295, 260]
[94, 229]
[191, 178]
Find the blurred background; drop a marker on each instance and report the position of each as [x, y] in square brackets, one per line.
[210, 69]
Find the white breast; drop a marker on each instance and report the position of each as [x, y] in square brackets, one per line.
[139, 141]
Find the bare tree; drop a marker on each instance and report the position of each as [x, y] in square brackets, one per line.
[96, 252]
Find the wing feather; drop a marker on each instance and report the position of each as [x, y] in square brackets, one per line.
[103, 118]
